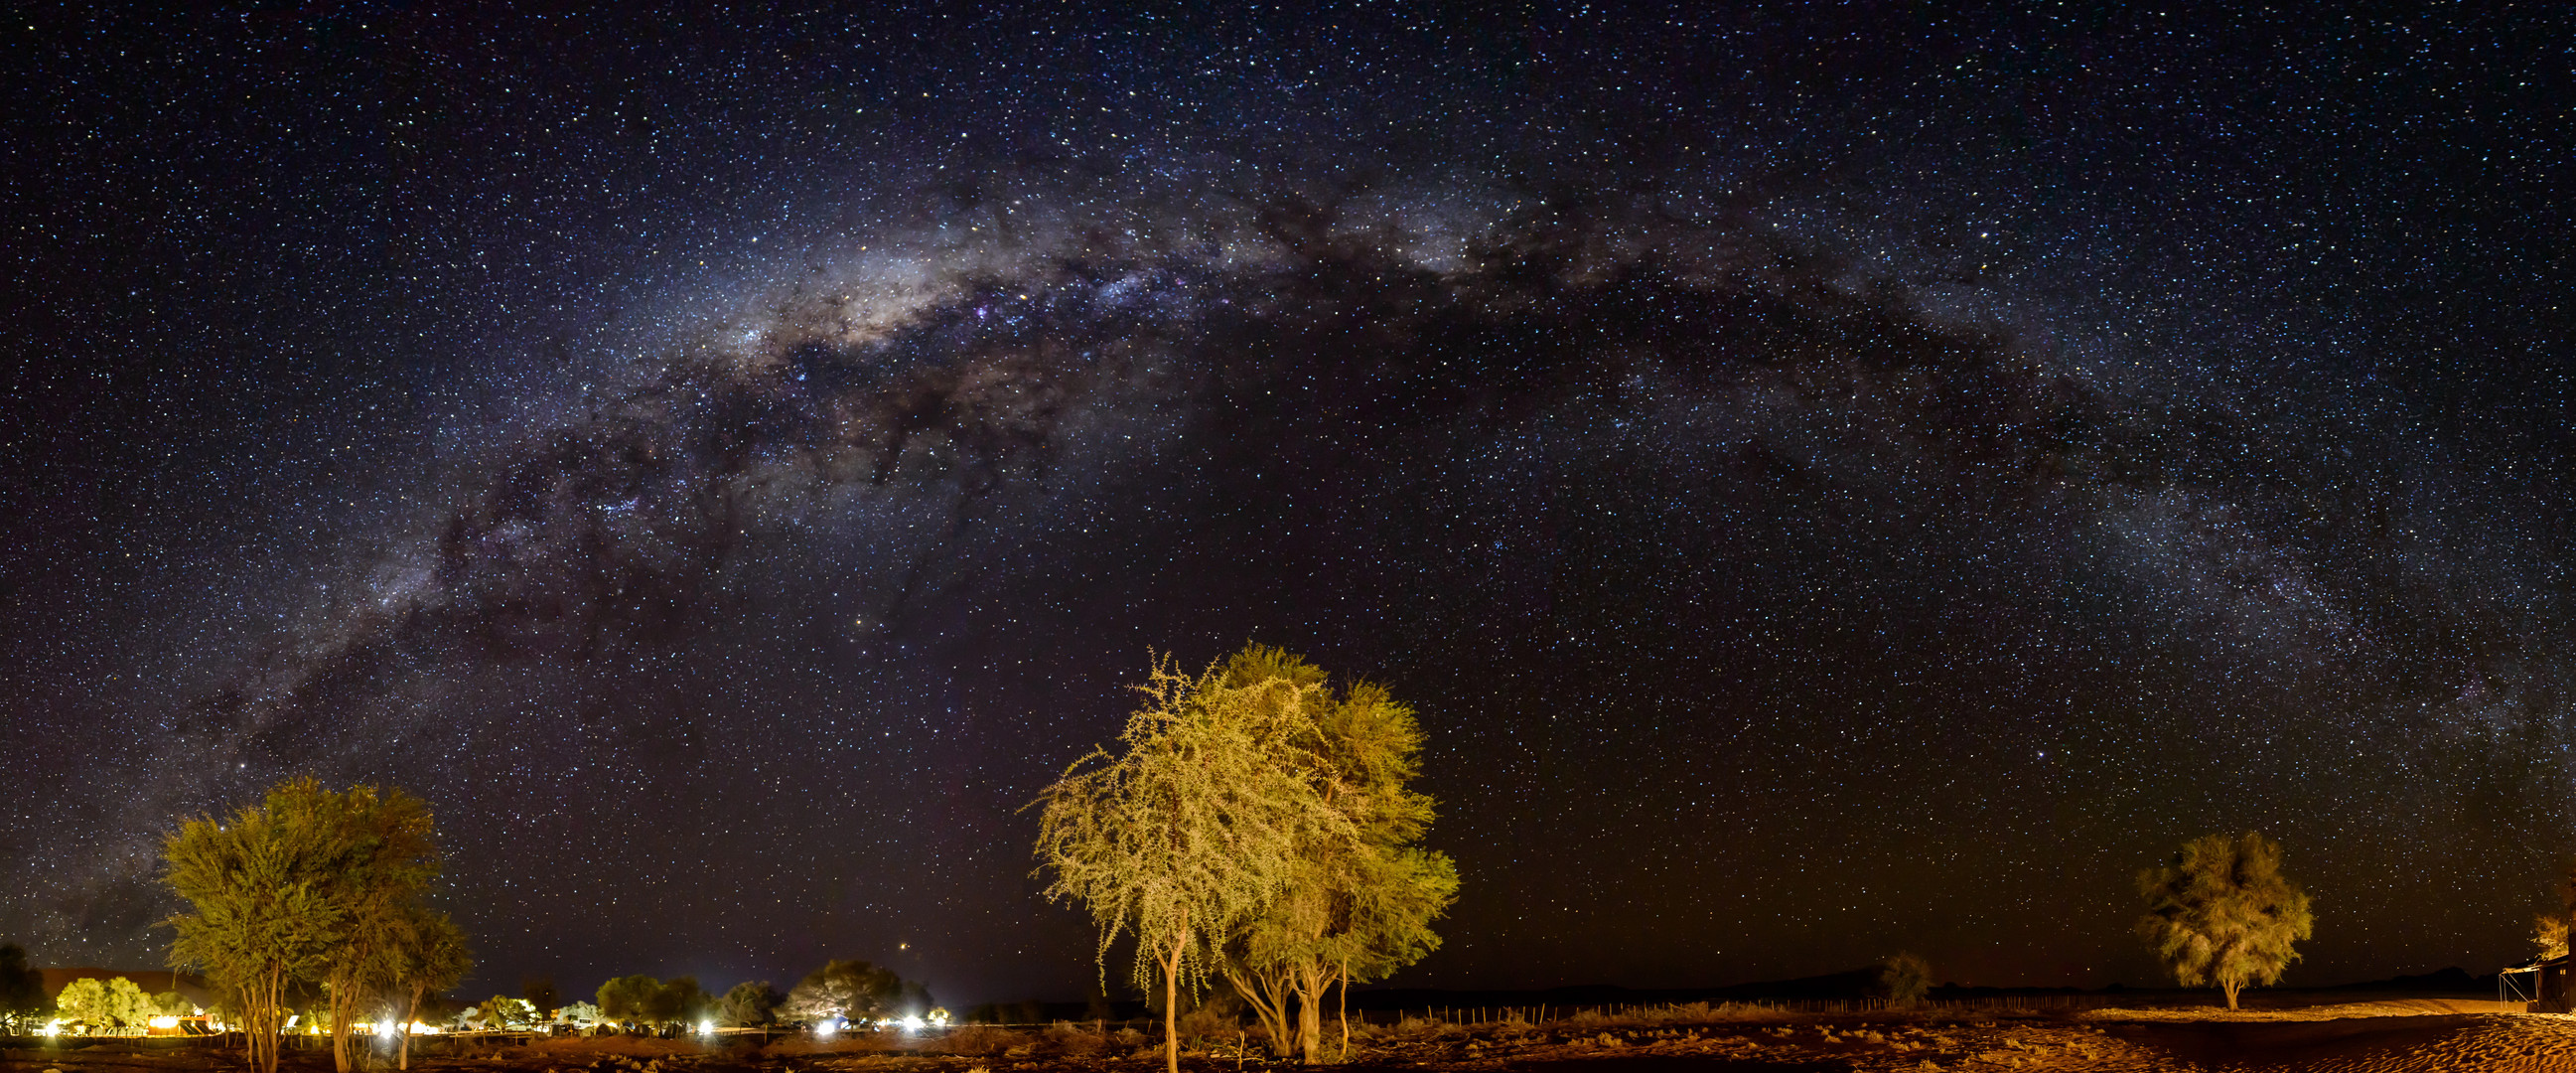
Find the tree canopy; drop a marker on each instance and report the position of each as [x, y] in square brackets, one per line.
[423, 955]
[306, 887]
[115, 1003]
[1360, 898]
[642, 999]
[1197, 825]
[2222, 913]
[749, 1004]
[855, 990]
[1256, 824]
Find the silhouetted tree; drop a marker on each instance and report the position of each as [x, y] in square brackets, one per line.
[540, 993]
[22, 991]
[1197, 826]
[2222, 913]
[680, 1001]
[1903, 980]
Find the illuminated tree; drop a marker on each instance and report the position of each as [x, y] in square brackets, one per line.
[502, 1011]
[424, 955]
[22, 991]
[2223, 913]
[172, 1004]
[645, 1000]
[1196, 827]
[303, 887]
[629, 999]
[749, 1004]
[1360, 899]
[854, 990]
[116, 1003]
[388, 858]
[2549, 933]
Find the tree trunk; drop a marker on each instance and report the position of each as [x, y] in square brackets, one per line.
[1172, 1003]
[261, 1018]
[411, 1011]
[2230, 987]
[342, 1008]
[1344, 976]
[1265, 992]
[1310, 1013]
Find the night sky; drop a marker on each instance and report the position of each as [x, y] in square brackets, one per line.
[1833, 479]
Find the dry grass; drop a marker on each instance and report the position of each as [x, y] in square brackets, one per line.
[2335, 1012]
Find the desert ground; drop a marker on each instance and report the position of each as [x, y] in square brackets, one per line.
[2368, 1037]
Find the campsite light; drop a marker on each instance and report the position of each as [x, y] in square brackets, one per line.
[52, 1028]
[912, 1023]
[387, 1029]
[827, 1026]
[706, 1028]
[164, 1021]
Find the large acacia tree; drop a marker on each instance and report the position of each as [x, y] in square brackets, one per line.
[1359, 901]
[2222, 913]
[304, 887]
[1196, 826]
[857, 990]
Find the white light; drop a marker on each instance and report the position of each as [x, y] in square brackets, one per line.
[387, 1029]
[165, 1021]
[912, 1023]
[53, 1028]
[827, 1026]
[706, 1028]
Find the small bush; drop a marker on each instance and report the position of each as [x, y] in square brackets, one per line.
[1413, 1029]
[1903, 980]
[1075, 1041]
[980, 1040]
[1219, 1017]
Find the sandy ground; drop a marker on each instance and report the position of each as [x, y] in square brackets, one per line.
[2378, 1037]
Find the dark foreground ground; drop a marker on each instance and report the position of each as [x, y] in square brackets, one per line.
[2377, 1037]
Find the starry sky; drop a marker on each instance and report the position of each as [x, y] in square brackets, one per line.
[1834, 479]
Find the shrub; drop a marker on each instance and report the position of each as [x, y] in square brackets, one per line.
[979, 1040]
[1075, 1041]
